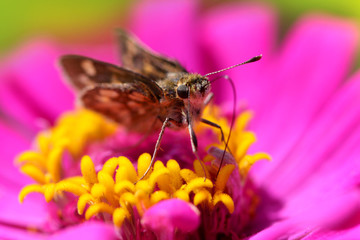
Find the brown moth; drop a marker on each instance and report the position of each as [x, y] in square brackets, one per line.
[148, 93]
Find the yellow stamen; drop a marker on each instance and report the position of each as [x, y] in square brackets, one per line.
[88, 170]
[158, 196]
[183, 195]
[198, 183]
[124, 186]
[30, 189]
[127, 198]
[130, 170]
[32, 157]
[187, 175]
[246, 162]
[143, 164]
[49, 191]
[83, 201]
[164, 180]
[203, 196]
[157, 175]
[226, 200]
[119, 216]
[98, 208]
[68, 186]
[98, 191]
[175, 176]
[34, 172]
[111, 165]
[199, 169]
[53, 164]
[223, 177]
[106, 180]
[248, 139]
[114, 189]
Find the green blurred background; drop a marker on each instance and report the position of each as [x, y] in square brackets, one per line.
[92, 20]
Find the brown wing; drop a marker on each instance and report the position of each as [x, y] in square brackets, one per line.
[83, 72]
[129, 104]
[140, 59]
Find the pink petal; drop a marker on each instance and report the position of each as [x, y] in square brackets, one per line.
[168, 27]
[305, 78]
[329, 135]
[89, 230]
[9, 232]
[168, 215]
[351, 233]
[12, 144]
[232, 34]
[323, 166]
[32, 213]
[279, 230]
[330, 214]
[33, 89]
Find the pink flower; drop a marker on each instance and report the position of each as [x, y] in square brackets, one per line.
[306, 116]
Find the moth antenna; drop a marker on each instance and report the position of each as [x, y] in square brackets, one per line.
[231, 123]
[254, 59]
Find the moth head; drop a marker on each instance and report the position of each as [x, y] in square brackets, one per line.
[183, 91]
[193, 86]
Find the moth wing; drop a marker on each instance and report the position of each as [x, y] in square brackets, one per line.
[83, 72]
[140, 59]
[130, 105]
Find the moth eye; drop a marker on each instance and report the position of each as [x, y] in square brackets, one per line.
[182, 91]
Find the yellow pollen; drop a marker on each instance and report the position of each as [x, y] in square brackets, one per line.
[88, 170]
[240, 141]
[119, 216]
[203, 196]
[114, 191]
[226, 200]
[83, 201]
[72, 133]
[34, 172]
[98, 208]
[224, 175]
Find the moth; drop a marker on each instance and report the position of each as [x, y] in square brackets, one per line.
[148, 93]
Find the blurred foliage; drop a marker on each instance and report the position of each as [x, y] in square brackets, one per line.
[290, 10]
[66, 20]
[93, 20]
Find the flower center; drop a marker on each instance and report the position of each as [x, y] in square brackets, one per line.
[112, 191]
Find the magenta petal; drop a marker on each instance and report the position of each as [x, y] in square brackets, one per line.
[12, 144]
[31, 87]
[8, 232]
[307, 76]
[344, 209]
[279, 230]
[32, 213]
[169, 27]
[323, 165]
[329, 140]
[89, 230]
[351, 233]
[332, 213]
[168, 215]
[235, 33]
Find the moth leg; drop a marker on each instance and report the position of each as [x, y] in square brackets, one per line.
[208, 99]
[157, 146]
[194, 146]
[212, 124]
[215, 126]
